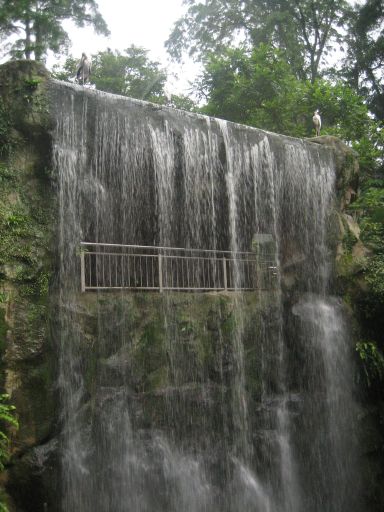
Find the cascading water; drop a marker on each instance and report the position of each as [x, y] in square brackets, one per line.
[266, 429]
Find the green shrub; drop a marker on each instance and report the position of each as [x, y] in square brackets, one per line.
[7, 418]
[372, 363]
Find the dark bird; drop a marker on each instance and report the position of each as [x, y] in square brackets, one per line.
[317, 122]
[83, 70]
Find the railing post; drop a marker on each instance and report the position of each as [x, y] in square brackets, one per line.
[225, 273]
[82, 270]
[160, 274]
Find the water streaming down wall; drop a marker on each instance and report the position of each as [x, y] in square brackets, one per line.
[133, 173]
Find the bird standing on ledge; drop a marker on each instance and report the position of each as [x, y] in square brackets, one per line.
[84, 69]
[317, 122]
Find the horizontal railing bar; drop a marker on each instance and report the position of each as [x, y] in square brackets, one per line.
[127, 255]
[175, 257]
[208, 289]
[165, 288]
[216, 251]
[121, 288]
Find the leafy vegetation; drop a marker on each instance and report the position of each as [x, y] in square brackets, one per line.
[5, 132]
[372, 363]
[259, 89]
[7, 419]
[303, 30]
[129, 73]
[369, 303]
[366, 53]
[38, 24]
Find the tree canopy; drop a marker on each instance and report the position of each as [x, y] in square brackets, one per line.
[365, 62]
[37, 24]
[258, 88]
[304, 30]
[129, 73]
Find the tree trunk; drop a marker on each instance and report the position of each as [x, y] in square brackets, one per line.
[27, 50]
[38, 43]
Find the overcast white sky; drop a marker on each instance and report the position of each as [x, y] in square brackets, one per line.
[145, 23]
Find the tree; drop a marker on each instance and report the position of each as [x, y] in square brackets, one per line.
[259, 89]
[38, 23]
[365, 62]
[303, 29]
[130, 73]
[182, 102]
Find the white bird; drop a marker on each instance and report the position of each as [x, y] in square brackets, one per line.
[168, 94]
[83, 69]
[317, 122]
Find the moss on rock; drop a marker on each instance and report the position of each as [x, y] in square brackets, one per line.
[27, 226]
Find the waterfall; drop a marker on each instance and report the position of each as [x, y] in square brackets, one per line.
[260, 418]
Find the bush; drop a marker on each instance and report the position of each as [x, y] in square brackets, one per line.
[372, 363]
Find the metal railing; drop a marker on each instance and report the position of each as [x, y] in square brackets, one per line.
[114, 267]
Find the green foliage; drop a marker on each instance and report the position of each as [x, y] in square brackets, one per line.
[343, 112]
[259, 89]
[33, 82]
[130, 73]
[372, 363]
[182, 102]
[38, 26]
[67, 71]
[370, 148]
[5, 131]
[375, 277]
[7, 417]
[25, 215]
[304, 30]
[370, 209]
[23, 237]
[365, 58]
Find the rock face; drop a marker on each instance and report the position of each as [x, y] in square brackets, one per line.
[347, 168]
[188, 378]
[27, 226]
